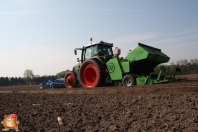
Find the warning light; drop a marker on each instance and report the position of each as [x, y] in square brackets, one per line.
[91, 40]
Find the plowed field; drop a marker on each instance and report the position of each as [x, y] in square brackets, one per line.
[164, 108]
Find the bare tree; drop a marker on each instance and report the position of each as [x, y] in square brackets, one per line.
[192, 61]
[172, 63]
[28, 75]
[178, 63]
[196, 61]
[185, 62]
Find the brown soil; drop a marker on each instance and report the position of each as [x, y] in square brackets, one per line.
[163, 107]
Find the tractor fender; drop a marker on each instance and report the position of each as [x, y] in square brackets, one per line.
[100, 59]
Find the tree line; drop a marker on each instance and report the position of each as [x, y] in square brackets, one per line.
[29, 78]
[186, 67]
[5, 81]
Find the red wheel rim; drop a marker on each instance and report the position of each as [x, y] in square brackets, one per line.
[89, 75]
[69, 81]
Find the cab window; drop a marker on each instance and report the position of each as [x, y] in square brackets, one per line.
[106, 50]
[88, 53]
[95, 50]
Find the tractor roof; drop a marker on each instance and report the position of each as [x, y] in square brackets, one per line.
[102, 43]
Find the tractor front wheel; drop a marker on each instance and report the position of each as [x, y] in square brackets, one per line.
[128, 80]
[70, 80]
[91, 74]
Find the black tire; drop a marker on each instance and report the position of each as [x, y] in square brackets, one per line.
[70, 80]
[128, 80]
[91, 74]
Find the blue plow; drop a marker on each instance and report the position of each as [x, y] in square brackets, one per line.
[58, 83]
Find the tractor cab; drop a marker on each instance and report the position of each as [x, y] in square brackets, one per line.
[98, 49]
[102, 51]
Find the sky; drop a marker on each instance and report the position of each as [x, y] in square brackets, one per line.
[41, 34]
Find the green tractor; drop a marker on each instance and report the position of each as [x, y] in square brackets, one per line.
[99, 65]
[91, 71]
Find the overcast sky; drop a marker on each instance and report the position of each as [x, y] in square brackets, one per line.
[41, 34]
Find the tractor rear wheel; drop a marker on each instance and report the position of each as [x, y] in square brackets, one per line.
[128, 80]
[91, 74]
[70, 80]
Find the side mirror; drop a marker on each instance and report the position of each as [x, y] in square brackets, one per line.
[75, 52]
[77, 59]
